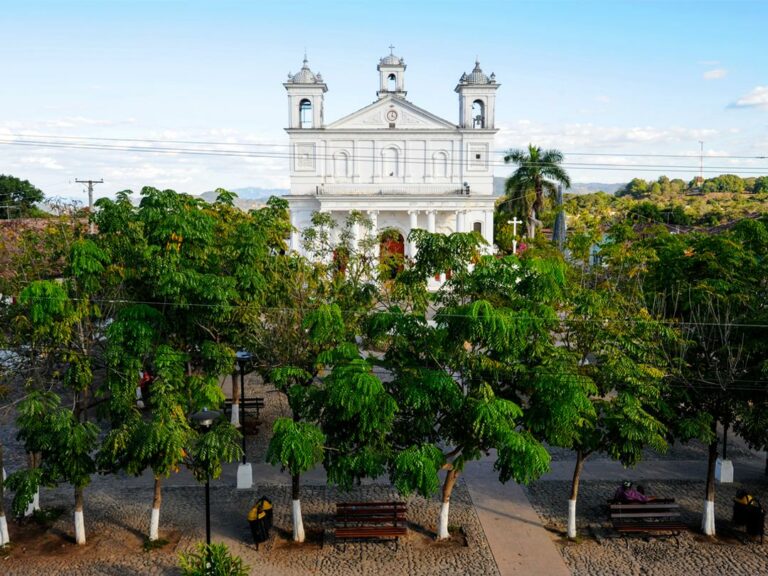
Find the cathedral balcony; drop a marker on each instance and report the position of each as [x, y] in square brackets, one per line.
[383, 189]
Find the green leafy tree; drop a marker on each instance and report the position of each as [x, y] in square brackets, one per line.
[538, 173]
[59, 327]
[297, 447]
[463, 379]
[5, 538]
[636, 188]
[713, 285]
[202, 272]
[613, 342]
[18, 197]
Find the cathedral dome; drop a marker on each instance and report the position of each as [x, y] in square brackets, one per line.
[477, 76]
[305, 75]
[391, 60]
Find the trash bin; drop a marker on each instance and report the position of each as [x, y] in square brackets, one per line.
[740, 513]
[260, 519]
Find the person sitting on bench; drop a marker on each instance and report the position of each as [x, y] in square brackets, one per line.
[625, 494]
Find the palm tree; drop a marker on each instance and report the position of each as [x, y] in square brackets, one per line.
[536, 170]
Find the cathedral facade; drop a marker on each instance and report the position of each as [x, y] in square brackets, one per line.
[403, 166]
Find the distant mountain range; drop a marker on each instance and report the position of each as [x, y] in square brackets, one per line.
[249, 197]
[254, 197]
[576, 187]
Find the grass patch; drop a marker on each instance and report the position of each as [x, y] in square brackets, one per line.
[150, 545]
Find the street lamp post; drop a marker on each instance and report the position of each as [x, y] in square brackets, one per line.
[244, 470]
[205, 419]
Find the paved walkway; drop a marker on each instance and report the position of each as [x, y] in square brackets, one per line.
[518, 540]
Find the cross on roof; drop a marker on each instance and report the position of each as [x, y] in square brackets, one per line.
[391, 50]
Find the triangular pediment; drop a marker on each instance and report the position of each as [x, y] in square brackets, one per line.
[391, 110]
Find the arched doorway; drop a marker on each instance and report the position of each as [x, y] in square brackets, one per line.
[391, 253]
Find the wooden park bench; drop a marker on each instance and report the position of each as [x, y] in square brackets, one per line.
[646, 517]
[249, 404]
[370, 521]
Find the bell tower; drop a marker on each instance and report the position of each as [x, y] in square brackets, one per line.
[477, 100]
[391, 75]
[305, 98]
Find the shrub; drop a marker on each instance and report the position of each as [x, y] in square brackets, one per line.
[222, 562]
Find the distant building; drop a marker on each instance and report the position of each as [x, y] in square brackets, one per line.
[402, 165]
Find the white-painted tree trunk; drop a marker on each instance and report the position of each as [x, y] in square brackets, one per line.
[34, 505]
[708, 518]
[154, 524]
[79, 527]
[571, 518]
[4, 536]
[442, 525]
[235, 418]
[298, 523]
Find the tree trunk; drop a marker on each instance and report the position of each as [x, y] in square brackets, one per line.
[4, 536]
[574, 493]
[79, 523]
[442, 525]
[298, 523]
[708, 517]
[34, 460]
[532, 225]
[235, 416]
[154, 523]
[766, 464]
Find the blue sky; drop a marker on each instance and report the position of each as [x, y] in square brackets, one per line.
[624, 78]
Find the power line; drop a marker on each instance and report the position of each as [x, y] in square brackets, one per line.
[455, 162]
[345, 147]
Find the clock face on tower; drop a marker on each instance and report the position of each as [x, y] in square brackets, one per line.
[392, 115]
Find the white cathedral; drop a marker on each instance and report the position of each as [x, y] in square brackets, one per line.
[403, 166]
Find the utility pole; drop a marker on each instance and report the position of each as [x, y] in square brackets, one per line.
[90, 197]
[701, 162]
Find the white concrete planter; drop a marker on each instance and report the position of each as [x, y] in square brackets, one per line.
[724, 471]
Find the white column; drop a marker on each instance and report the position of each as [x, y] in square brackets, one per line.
[356, 236]
[488, 229]
[431, 221]
[414, 214]
[458, 221]
[373, 216]
[294, 232]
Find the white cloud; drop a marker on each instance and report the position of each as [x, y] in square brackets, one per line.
[78, 121]
[585, 136]
[756, 98]
[715, 74]
[42, 161]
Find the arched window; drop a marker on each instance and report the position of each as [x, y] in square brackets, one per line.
[390, 163]
[477, 227]
[478, 114]
[305, 114]
[391, 83]
[440, 165]
[341, 165]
